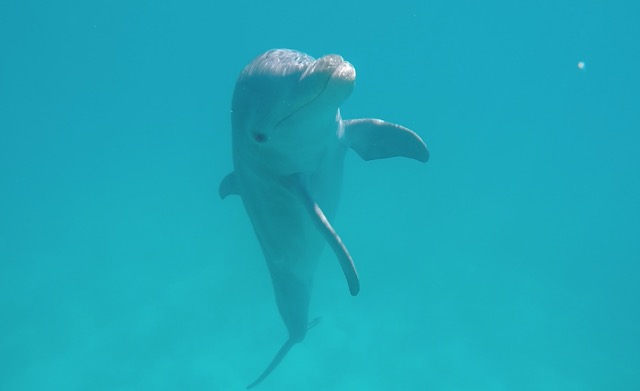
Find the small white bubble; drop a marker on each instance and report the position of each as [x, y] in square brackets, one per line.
[581, 65]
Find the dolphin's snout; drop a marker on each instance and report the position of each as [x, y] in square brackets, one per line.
[328, 67]
[329, 76]
[325, 65]
[345, 72]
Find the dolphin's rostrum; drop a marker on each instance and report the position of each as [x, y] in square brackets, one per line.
[289, 143]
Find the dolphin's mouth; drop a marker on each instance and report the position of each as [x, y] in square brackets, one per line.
[302, 106]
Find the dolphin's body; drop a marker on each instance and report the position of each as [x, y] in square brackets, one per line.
[289, 143]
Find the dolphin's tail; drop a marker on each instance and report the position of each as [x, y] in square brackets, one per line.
[281, 353]
[274, 363]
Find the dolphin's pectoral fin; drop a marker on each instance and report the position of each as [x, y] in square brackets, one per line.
[376, 139]
[228, 186]
[330, 235]
[274, 363]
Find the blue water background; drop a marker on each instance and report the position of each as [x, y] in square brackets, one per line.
[508, 262]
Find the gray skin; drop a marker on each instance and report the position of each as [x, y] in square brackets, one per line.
[289, 143]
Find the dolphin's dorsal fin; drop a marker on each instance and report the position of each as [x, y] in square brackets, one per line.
[377, 139]
[330, 235]
[228, 186]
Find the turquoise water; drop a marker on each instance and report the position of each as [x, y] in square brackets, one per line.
[508, 262]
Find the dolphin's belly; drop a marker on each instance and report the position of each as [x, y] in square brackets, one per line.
[287, 235]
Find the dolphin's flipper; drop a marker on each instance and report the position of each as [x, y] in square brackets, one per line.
[377, 139]
[228, 186]
[330, 235]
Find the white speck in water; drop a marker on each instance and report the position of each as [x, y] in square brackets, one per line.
[581, 65]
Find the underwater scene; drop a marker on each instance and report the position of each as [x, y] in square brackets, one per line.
[488, 241]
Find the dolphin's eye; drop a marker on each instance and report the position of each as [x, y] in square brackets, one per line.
[260, 137]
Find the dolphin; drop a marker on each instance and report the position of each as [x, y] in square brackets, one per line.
[289, 143]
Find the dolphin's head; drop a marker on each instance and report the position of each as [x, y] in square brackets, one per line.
[285, 107]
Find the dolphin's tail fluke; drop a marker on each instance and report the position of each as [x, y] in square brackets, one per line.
[281, 353]
[274, 363]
